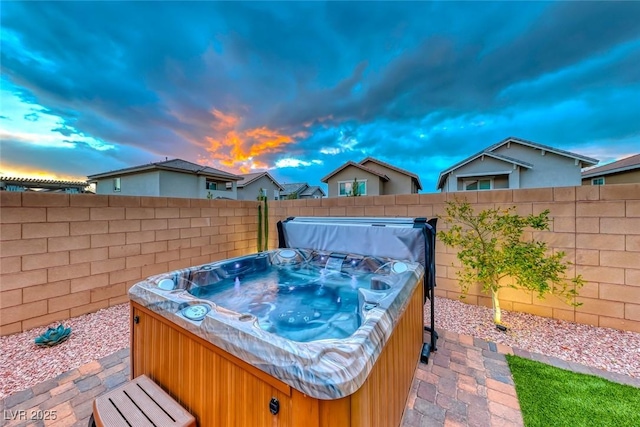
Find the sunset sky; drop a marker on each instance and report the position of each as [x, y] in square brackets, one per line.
[300, 88]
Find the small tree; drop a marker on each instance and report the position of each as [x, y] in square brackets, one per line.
[491, 248]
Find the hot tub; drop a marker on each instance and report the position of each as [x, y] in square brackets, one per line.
[290, 337]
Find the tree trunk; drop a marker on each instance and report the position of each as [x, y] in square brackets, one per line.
[497, 314]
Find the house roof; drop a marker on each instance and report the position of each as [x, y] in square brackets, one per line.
[310, 190]
[489, 152]
[587, 160]
[176, 165]
[293, 188]
[395, 168]
[248, 178]
[509, 159]
[357, 165]
[622, 165]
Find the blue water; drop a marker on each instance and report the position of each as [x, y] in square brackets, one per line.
[302, 305]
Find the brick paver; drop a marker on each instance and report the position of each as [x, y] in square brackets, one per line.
[67, 399]
[466, 383]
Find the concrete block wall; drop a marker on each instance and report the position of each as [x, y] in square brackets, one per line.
[65, 255]
[598, 228]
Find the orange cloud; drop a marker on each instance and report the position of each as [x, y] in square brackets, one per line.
[224, 121]
[240, 149]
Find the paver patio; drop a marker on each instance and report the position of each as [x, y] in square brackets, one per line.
[466, 383]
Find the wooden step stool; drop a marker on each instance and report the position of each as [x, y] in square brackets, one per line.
[139, 403]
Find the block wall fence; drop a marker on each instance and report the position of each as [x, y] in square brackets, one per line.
[65, 255]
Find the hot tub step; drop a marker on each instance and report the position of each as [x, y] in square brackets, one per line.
[140, 403]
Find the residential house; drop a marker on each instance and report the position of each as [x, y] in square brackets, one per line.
[252, 184]
[171, 178]
[301, 190]
[43, 185]
[623, 171]
[312, 192]
[515, 163]
[374, 178]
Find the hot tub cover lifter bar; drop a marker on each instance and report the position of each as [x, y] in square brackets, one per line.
[412, 239]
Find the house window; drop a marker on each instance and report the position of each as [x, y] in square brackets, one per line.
[479, 184]
[116, 185]
[345, 188]
[598, 181]
[211, 185]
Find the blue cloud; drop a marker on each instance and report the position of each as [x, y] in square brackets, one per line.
[420, 85]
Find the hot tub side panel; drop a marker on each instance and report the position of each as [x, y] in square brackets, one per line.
[213, 385]
[381, 400]
[221, 389]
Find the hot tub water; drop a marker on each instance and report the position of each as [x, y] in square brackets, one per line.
[303, 305]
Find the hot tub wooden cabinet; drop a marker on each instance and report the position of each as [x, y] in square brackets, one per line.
[219, 389]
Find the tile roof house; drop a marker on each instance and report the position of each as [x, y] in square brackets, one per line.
[171, 178]
[301, 190]
[624, 171]
[515, 163]
[250, 186]
[374, 178]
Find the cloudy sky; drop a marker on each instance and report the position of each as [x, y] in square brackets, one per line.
[300, 88]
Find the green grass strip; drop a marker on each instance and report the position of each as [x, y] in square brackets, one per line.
[551, 396]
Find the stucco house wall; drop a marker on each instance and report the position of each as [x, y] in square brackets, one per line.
[549, 170]
[174, 184]
[514, 163]
[398, 183]
[479, 166]
[627, 177]
[348, 174]
[501, 182]
[251, 191]
[141, 184]
[162, 183]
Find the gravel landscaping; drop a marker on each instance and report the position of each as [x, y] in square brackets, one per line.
[603, 348]
[93, 336]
